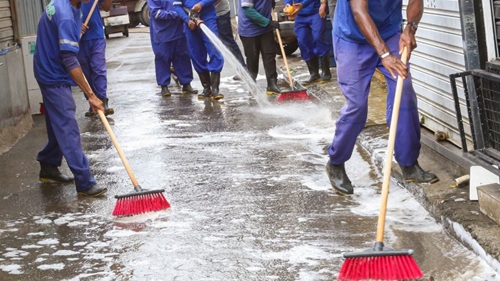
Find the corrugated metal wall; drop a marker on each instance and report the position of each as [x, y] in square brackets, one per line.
[439, 53]
[6, 29]
[28, 12]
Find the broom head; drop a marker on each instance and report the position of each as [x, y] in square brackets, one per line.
[297, 95]
[380, 264]
[140, 201]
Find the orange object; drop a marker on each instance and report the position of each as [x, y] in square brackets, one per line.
[289, 9]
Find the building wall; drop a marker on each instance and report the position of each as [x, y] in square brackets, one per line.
[15, 115]
[15, 109]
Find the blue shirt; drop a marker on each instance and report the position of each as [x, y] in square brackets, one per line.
[95, 30]
[58, 31]
[166, 25]
[248, 28]
[387, 15]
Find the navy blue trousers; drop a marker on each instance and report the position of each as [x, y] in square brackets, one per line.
[64, 135]
[356, 64]
[226, 35]
[310, 31]
[173, 53]
[92, 59]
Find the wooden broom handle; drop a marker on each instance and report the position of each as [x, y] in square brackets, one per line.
[118, 149]
[283, 53]
[390, 151]
[90, 14]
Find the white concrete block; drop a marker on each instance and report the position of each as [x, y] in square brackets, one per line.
[480, 176]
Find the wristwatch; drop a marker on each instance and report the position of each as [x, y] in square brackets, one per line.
[413, 25]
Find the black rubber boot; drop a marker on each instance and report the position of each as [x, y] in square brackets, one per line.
[107, 110]
[49, 173]
[89, 113]
[205, 82]
[272, 87]
[326, 75]
[165, 92]
[94, 191]
[187, 89]
[415, 173]
[215, 82]
[313, 66]
[338, 178]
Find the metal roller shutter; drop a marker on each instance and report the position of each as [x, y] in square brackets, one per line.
[6, 28]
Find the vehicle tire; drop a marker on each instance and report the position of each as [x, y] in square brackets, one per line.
[289, 48]
[125, 32]
[134, 19]
[144, 15]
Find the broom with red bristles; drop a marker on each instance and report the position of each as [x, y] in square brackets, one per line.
[141, 200]
[294, 94]
[382, 263]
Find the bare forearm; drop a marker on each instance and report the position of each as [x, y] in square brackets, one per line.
[415, 10]
[367, 26]
[77, 75]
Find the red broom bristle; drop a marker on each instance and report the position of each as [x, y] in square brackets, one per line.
[401, 267]
[141, 203]
[298, 95]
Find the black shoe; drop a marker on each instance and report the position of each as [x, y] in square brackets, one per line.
[49, 173]
[313, 67]
[214, 84]
[187, 89]
[415, 173]
[94, 191]
[165, 92]
[338, 178]
[205, 82]
[326, 75]
[272, 87]
[107, 110]
[90, 113]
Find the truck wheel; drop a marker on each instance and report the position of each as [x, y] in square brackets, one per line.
[134, 19]
[125, 31]
[144, 15]
[289, 48]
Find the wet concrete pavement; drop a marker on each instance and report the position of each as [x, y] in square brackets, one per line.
[250, 198]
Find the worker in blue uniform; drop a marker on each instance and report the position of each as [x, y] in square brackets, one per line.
[56, 67]
[200, 46]
[169, 46]
[367, 36]
[310, 28]
[255, 28]
[92, 54]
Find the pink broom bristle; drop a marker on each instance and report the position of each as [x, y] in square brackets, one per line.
[141, 203]
[402, 267]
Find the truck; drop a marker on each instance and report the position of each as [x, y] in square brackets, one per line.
[138, 11]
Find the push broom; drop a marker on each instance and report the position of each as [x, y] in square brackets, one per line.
[293, 94]
[382, 263]
[141, 200]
